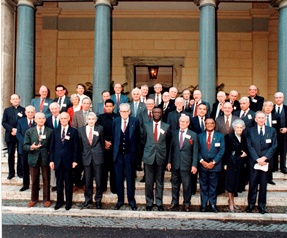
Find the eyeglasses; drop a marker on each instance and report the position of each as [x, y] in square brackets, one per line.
[124, 111]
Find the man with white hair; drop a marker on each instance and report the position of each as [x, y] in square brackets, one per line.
[281, 110]
[256, 102]
[197, 100]
[217, 106]
[245, 113]
[42, 103]
[157, 96]
[144, 93]
[232, 98]
[137, 107]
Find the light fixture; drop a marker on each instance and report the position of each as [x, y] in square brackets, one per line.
[153, 70]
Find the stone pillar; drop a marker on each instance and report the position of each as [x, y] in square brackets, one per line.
[207, 51]
[25, 51]
[282, 49]
[102, 49]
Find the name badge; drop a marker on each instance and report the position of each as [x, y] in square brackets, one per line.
[217, 144]
[162, 131]
[249, 116]
[274, 122]
[96, 133]
[234, 108]
[268, 141]
[67, 137]
[19, 114]
[45, 104]
[254, 100]
[43, 137]
[187, 137]
[64, 105]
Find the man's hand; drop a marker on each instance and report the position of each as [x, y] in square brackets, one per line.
[193, 169]
[168, 167]
[52, 165]
[34, 146]
[107, 144]
[74, 165]
[14, 131]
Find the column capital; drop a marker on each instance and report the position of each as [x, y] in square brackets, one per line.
[201, 3]
[31, 3]
[279, 3]
[106, 2]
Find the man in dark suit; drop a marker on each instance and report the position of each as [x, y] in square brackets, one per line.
[211, 150]
[144, 93]
[187, 104]
[42, 103]
[216, 107]
[62, 99]
[126, 150]
[197, 123]
[63, 158]
[92, 143]
[232, 98]
[106, 121]
[23, 125]
[100, 107]
[137, 107]
[173, 94]
[9, 121]
[256, 102]
[262, 143]
[118, 97]
[37, 144]
[197, 100]
[156, 136]
[245, 113]
[166, 106]
[157, 97]
[281, 110]
[182, 160]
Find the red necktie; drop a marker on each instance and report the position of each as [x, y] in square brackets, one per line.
[181, 139]
[209, 141]
[149, 115]
[155, 132]
[42, 105]
[91, 136]
[195, 109]
[125, 126]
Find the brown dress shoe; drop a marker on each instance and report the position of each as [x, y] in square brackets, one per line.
[186, 208]
[32, 203]
[172, 206]
[47, 204]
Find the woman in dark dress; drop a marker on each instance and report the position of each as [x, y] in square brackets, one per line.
[235, 150]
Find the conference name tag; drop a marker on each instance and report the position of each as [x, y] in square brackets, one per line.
[274, 122]
[187, 136]
[217, 144]
[254, 100]
[64, 105]
[96, 133]
[67, 137]
[45, 104]
[162, 131]
[19, 114]
[268, 141]
[43, 137]
[249, 116]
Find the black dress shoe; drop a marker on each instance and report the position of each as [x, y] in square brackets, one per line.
[118, 206]
[203, 208]
[249, 209]
[53, 189]
[134, 207]
[68, 207]
[86, 204]
[20, 176]
[142, 180]
[261, 210]
[98, 205]
[23, 188]
[284, 171]
[214, 208]
[160, 208]
[271, 182]
[58, 206]
[172, 206]
[10, 176]
[148, 208]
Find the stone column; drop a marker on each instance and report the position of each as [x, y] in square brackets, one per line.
[282, 49]
[207, 51]
[102, 49]
[25, 50]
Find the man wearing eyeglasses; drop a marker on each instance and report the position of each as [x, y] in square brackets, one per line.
[62, 99]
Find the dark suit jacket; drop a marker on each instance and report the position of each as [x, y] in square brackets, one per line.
[141, 109]
[67, 152]
[257, 103]
[9, 121]
[195, 125]
[248, 119]
[67, 103]
[236, 105]
[35, 102]
[187, 156]
[123, 99]
[214, 109]
[173, 119]
[106, 121]
[156, 151]
[285, 111]
[215, 153]
[22, 127]
[170, 107]
[152, 96]
[134, 136]
[94, 152]
[190, 110]
[143, 118]
[79, 120]
[32, 136]
[257, 149]
[220, 125]
[49, 122]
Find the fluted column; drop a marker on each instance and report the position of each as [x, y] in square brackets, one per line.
[102, 54]
[207, 51]
[282, 49]
[25, 50]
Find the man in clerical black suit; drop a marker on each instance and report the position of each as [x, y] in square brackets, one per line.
[9, 121]
[156, 136]
[262, 144]
[256, 102]
[92, 143]
[166, 106]
[126, 135]
[63, 158]
[106, 121]
[62, 99]
[216, 107]
[232, 98]
[211, 150]
[182, 160]
[23, 125]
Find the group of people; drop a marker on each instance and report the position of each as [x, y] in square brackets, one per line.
[226, 146]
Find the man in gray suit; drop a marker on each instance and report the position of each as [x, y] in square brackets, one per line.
[156, 137]
[42, 103]
[182, 160]
[92, 144]
[137, 107]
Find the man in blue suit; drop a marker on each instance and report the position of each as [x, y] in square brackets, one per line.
[118, 97]
[126, 136]
[42, 103]
[63, 158]
[262, 144]
[23, 125]
[211, 151]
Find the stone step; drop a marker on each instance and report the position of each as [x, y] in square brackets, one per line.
[273, 198]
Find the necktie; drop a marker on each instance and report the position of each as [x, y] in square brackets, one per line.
[63, 136]
[136, 108]
[202, 125]
[164, 107]
[243, 115]
[195, 109]
[155, 132]
[40, 131]
[150, 115]
[227, 124]
[157, 100]
[209, 141]
[267, 121]
[181, 139]
[261, 132]
[118, 100]
[125, 125]
[278, 110]
[30, 123]
[91, 136]
[186, 104]
[55, 123]
[42, 105]
[60, 102]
